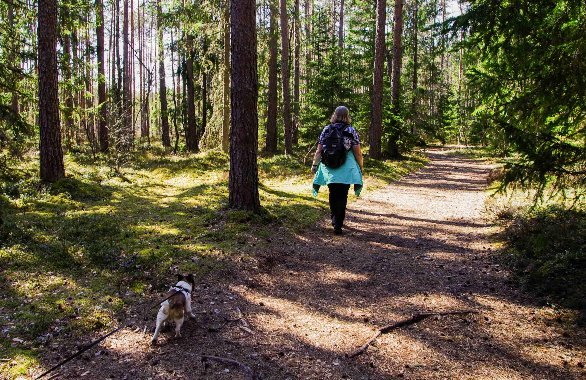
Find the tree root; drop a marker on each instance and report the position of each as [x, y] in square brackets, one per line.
[414, 319]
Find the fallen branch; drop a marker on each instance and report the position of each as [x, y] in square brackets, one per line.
[414, 319]
[249, 372]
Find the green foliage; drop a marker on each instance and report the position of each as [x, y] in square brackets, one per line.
[547, 249]
[532, 90]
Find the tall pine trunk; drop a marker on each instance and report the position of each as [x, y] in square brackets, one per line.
[51, 152]
[102, 107]
[396, 84]
[271, 135]
[243, 178]
[341, 26]
[162, 85]
[415, 64]
[12, 56]
[126, 137]
[285, 78]
[296, 73]
[191, 132]
[377, 81]
[226, 82]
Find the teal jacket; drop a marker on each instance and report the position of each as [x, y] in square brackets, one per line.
[349, 173]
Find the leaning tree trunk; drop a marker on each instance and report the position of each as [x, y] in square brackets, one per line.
[51, 152]
[396, 85]
[243, 178]
[271, 135]
[285, 79]
[376, 125]
[162, 85]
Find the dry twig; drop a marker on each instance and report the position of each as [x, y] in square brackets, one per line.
[249, 372]
[414, 319]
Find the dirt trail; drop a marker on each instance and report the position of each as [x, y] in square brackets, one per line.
[419, 245]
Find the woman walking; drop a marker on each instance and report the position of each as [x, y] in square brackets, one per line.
[338, 163]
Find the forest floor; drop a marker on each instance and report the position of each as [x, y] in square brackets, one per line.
[303, 302]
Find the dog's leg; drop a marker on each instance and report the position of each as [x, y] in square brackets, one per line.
[161, 317]
[188, 309]
[178, 324]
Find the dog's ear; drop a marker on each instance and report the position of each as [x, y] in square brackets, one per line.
[180, 277]
[190, 278]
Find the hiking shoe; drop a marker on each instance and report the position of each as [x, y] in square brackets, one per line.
[338, 231]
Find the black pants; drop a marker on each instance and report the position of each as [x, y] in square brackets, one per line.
[338, 201]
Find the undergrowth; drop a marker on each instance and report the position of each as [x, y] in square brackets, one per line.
[75, 255]
[546, 248]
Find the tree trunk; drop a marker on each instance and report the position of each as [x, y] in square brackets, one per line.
[162, 86]
[341, 26]
[415, 65]
[285, 78]
[296, 74]
[271, 135]
[243, 178]
[102, 107]
[51, 152]
[69, 105]
[226, 84]
[377, 81]
[308, 16]
[191, 132]
[12, 56]
[126, 136]
[396, 85]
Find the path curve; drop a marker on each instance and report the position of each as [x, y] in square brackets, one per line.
[419, 245]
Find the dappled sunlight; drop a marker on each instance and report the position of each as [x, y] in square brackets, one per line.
[288, 318]
[433, 302]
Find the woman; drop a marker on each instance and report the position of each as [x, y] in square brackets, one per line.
[349, 173]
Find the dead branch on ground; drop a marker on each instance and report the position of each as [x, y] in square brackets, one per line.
[414, 319]
[248, 372]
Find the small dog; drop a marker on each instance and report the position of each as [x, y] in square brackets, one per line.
[176, 306]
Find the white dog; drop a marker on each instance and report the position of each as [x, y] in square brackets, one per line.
[176, 306]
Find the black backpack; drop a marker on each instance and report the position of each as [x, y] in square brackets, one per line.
[333, 153]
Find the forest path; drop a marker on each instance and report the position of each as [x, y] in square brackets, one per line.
[419, 245]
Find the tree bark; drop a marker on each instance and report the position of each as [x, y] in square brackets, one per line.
[271, 135]
[377, 81]
[12, 56]
[396, 84]
[285, 78]
[243, 178]
[415, 64]
[51, 152]
[191, 131]
[162, 85]
[102, 106]
[296, 73]
[341, 26]
[126, 137]
[226, 84]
